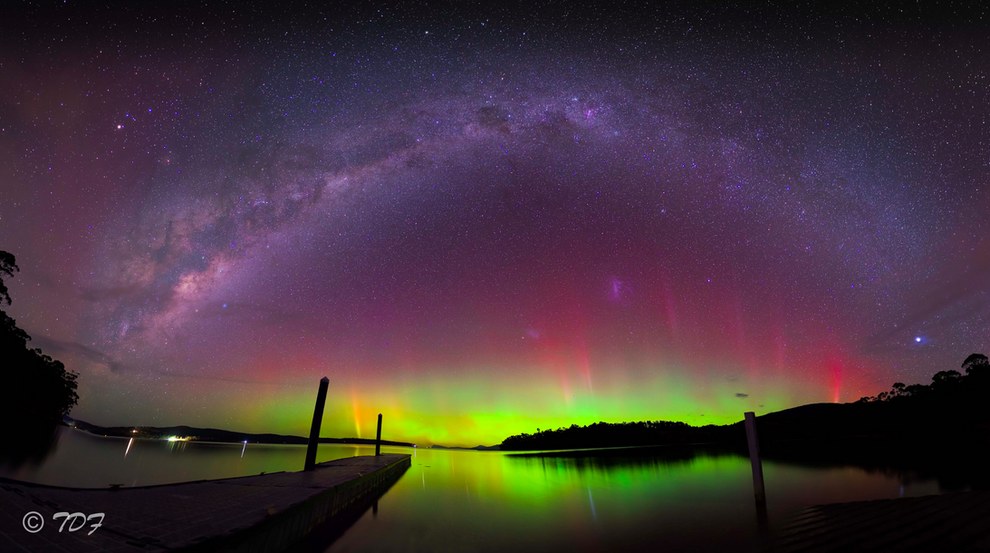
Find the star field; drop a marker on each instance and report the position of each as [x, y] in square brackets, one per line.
[479, 221]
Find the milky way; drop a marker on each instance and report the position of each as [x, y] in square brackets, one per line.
[480, 222]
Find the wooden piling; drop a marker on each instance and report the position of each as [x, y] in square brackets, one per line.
[762, 520]
[314, 430]
[754, 458]
[378, 439]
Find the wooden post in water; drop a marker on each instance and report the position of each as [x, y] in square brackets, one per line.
[314, 431]
[378, 439]
[754, 456]
[759, 491]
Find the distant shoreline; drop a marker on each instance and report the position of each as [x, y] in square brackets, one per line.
[186, 434]
[626, 450]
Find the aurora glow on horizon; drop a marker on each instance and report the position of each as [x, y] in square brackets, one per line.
[481, 222]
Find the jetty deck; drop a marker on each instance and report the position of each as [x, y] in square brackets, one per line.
[953, 522]
[268, 512]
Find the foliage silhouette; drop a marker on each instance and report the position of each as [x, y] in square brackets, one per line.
[603, 434]
[36, 390]
[7, 267]
[949, 389]
[977, 362]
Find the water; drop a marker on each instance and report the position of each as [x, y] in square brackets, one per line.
[452, 500]
[490, 501]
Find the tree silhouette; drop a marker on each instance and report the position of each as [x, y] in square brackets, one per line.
[946, 381]
[7, 267]
[35, 390]
[950, 388]
[604, 434]
[975, 362]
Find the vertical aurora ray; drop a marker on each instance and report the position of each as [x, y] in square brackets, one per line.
[474, 410]
[356, 414]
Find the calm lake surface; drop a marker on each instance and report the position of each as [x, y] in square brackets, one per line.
[451, 500]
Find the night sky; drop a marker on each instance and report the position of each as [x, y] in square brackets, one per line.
[481, 221]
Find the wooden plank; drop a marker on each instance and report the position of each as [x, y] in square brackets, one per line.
[948, 522]
[253, 513]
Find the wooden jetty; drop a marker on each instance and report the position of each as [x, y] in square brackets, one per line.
[268, 512]
[953, 522]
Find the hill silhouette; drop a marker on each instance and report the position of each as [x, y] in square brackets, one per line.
[952, 409]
